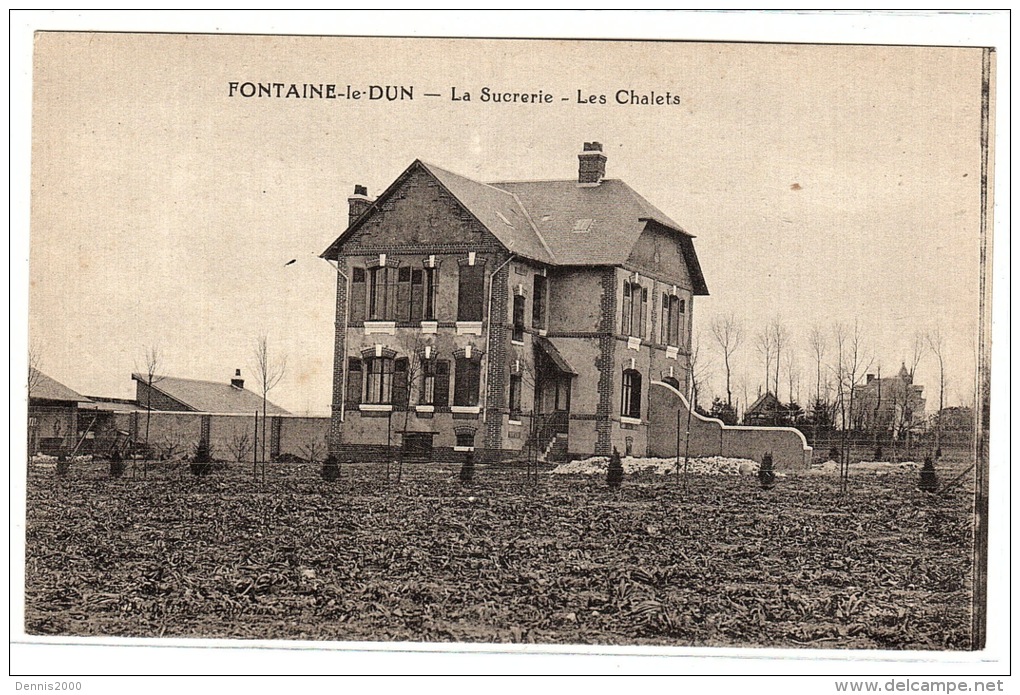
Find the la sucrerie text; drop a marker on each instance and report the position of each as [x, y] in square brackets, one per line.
[620, 96]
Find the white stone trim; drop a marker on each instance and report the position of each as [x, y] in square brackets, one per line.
[634, 343]
[425, 408]
[469, 328]
[386, 327]
[375, 407]
[671, 354]
[515, 423]
[466, 409]
[429, 326]
[630, 420]
[463, 448]
[517, 342]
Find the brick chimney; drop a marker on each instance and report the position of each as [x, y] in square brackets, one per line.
[359, 202]
[870, 378]
[591, 168]
[237, 382]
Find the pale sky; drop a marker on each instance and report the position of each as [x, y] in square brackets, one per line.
[823, 183]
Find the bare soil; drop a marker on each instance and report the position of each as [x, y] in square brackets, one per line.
[715, 562]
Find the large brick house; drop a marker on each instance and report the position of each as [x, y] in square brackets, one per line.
[507, 315]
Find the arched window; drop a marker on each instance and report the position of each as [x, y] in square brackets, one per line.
[631, 404]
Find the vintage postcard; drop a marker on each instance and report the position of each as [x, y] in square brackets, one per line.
[582, 344]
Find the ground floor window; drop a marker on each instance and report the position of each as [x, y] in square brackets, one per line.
[378, 380]
[631, 403]
[466, 381]
[435, 383]
[515, 396]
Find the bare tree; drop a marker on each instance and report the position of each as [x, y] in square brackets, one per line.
[765, 346]
[313, 449]
[153, 364]
[34, 377]
[917, 351]
[240, 443]
[171, 443]
[699, 369]
[779, 340]
[728, 334]
[936, 343]
[852, 363]
[34, 365]
[816, 339]
[269, 370]
[413, 345]
[792, 375]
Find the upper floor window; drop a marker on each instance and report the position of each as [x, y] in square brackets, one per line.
[471, 292]
[416, 299]
[672, 313]
[538, 302]
[631, 403]
[635, 305]
[381, 283]
[389, 293]
[430, 277]
[518, 325]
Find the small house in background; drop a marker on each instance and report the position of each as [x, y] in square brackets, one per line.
[766, 411]
[53, 415]
[195, 395]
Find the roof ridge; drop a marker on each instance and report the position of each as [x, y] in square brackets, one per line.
[467, 178]
[496, 183]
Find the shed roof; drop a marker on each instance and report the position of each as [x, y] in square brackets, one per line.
[47, 388]
[210, 396]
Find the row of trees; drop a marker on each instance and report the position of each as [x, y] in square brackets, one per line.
[839, 394]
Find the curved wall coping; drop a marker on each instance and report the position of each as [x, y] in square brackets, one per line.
[723, 425]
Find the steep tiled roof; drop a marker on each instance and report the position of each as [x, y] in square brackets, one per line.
[49, 389]
[554, 222]
[210, 396]
[499, 210]
[613, 215]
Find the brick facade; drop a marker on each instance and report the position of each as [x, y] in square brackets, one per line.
[496, 372]
[159, 400]
[339, 356]
[564, 360]
[606, 364]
